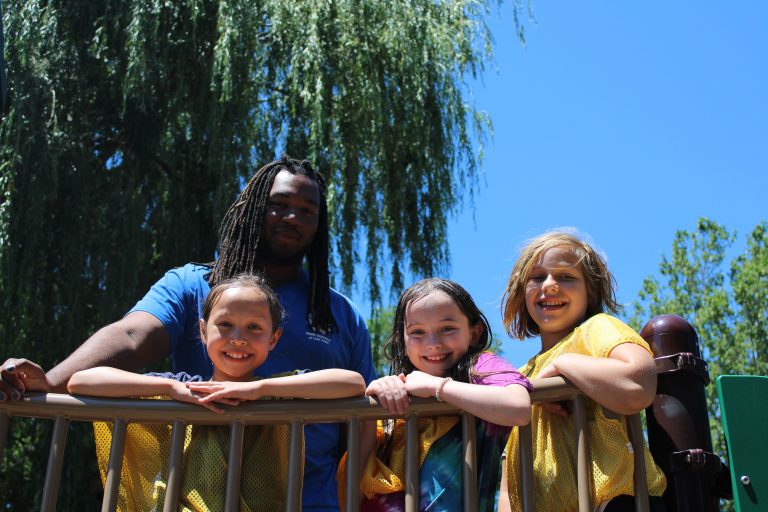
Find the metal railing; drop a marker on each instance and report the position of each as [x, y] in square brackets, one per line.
[63, 409]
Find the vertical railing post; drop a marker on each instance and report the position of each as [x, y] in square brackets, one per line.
[469, 446]
[635, 429]
[175, 467]
[234, 467]
[293, 501]
[114, 466]
[55, 460]
[353, 464]
[524, 434]
[583, 466]
[412, 447]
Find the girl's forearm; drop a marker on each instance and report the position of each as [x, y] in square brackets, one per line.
[112, 382]
[330, 383]
[625, 385]
[510, 405]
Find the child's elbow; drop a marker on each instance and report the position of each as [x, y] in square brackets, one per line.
[520, 408]
[523, 416]
[75, 383]
[353, 383]
[358, 384]
[638, 400]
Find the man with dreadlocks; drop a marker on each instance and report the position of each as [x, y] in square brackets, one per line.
[279, 219]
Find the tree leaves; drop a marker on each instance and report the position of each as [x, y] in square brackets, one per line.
[134, 124]
[727, 305]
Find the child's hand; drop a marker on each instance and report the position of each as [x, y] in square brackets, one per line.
[230, 393]
[549, 371]
[422, 384]
[182, 393]
[559, 408]
[391, 393]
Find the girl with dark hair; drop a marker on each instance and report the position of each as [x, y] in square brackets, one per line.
[438, 348]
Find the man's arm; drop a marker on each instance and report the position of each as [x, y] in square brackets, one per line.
[136, 340]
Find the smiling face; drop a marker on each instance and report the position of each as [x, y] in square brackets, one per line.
[239, 334]
[556, 294]
[290, 219]
[437, 334]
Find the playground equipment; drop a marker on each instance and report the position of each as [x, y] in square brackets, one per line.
[678, 422]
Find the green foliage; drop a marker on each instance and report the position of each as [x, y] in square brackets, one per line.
[380, 327]
[726, 304]
[133, 125]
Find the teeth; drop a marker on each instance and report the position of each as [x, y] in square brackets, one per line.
[237, 355]
[551, 303]
[436, 358]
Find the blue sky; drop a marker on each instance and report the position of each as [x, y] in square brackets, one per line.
[626, 120]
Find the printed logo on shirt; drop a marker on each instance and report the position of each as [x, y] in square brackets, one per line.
[316, 336]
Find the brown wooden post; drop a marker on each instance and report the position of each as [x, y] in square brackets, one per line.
[678, 422]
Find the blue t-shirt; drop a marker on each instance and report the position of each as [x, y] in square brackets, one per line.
[177, 300]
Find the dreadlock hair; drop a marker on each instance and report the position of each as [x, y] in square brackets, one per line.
[395, 348]
[240, 236]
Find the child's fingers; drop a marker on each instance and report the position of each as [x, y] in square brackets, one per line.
[548, 371]
[213, 407]
[228, 401]
[210, 397]
[555, 408]
[205, 387]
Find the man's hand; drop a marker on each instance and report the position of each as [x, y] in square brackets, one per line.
[20, 375]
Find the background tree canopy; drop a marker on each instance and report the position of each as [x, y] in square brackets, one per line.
[133, 125]
[727, 303]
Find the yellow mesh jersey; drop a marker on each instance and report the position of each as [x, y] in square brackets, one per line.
[554, 442]
[380, 477]
[264, 481]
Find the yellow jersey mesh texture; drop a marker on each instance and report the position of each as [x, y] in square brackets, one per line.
[263, 484]
[384, 472]
[554, 438]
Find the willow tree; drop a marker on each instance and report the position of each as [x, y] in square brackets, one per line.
[3, 85]
[133, 124]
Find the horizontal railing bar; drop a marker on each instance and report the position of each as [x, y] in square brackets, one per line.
[297, 412]
[263, 412]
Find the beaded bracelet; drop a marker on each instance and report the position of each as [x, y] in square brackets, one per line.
[439, 388]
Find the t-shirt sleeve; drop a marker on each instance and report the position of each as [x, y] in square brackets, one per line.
[360, 358]
[492, 370]
[604, 332]
[166, 300]
[181, 376]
